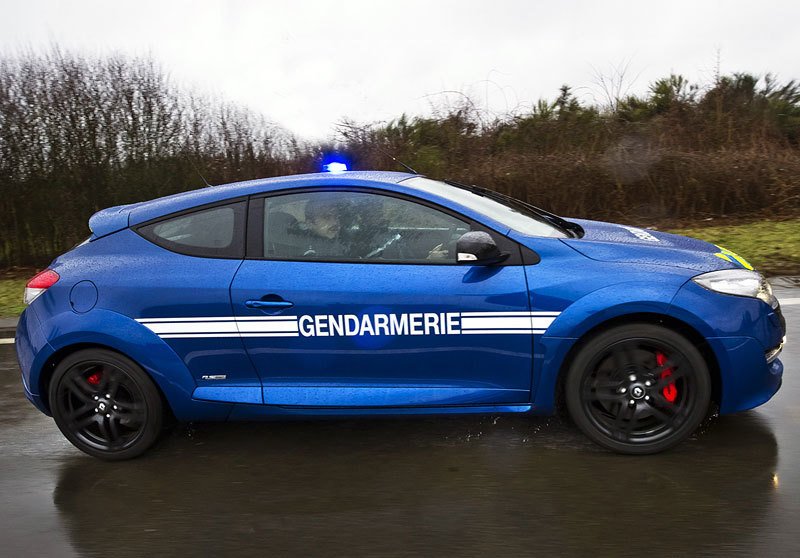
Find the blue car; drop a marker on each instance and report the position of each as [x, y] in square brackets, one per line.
[377, 293]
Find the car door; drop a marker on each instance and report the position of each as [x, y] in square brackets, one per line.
[374, 311]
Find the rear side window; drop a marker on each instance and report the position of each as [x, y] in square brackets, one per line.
[216, 232]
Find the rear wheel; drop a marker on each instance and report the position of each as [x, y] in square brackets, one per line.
[638, 389]
[105, 404]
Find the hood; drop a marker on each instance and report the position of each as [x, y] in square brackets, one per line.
[609, 242]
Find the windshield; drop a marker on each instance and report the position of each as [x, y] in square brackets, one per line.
[515, 216]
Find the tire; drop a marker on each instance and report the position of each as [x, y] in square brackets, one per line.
[105, 404]
[638, 389]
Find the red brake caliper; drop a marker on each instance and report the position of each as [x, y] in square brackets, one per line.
[94, 379]
[670, 392]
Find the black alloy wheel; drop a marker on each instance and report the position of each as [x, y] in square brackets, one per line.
[105, 404]
[638, 389]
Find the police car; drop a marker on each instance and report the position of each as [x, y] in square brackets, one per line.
[379, 293]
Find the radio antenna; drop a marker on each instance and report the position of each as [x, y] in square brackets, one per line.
[393, 158]
[351, 127]
[203, 178]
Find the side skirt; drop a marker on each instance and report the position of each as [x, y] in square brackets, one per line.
[267, 412]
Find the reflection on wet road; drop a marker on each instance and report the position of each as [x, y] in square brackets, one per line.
[455, 486]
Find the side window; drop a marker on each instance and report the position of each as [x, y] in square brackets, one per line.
[217, 232]
[354, 226]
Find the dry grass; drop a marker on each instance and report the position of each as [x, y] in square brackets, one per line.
[11, 297]
[770, 246]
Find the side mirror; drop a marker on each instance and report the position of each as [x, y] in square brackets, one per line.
[478, 248]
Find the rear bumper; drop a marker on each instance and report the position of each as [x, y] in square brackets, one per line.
[32, 351]
[36, 400]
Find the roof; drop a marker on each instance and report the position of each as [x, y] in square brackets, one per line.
[185, 200]
[115, 218]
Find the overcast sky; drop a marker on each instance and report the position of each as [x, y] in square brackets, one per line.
[307, 64]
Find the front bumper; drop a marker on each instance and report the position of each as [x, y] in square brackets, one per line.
[740, 331]
[747, 379]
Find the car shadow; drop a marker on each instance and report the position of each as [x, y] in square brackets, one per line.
[460, 485]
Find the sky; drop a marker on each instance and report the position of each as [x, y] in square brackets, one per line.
[306, 65]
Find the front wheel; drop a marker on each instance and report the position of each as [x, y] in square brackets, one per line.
[105, 404]
[638, 389]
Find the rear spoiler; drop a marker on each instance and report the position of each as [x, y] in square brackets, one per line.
[109, 220]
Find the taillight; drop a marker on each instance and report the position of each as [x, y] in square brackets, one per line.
[39, 284]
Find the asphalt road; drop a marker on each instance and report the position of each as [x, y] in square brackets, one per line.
[456, 486]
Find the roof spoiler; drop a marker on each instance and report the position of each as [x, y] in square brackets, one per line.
[109, 220]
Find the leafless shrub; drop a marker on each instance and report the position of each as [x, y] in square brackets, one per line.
[78, 134]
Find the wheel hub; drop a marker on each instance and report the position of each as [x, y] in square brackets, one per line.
[637, 391]
[105, 405]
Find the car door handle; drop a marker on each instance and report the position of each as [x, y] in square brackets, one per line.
[268, 304]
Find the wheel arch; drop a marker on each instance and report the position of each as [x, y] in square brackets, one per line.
[165, 368]
[663, 320]
[59, 355]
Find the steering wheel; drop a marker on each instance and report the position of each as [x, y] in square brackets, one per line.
[380, 249]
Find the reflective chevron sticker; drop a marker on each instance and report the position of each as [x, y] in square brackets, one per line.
[353, 325]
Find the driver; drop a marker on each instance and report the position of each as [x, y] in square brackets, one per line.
[321, 228]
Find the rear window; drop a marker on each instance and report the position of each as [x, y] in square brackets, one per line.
[216, 232]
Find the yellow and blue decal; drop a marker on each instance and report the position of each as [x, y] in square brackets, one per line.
[732, 257]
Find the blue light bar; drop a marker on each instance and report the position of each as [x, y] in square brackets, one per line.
[335, 168]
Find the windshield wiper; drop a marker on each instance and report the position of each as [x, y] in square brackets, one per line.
[571, 229]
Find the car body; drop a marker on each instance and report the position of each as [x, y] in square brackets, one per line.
[231, 317]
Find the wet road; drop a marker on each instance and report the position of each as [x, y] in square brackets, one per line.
[454, 486]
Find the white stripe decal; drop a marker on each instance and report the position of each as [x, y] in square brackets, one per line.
[279, 318]
[284, 334]
[166, 320]
[492, 314]
[350, 325]
[193, 327]
[220, 319]
[208, 335]
[506, 323]
[496, 323]
[284, 326]
[196, 335]
[501, 331]
[269, 320]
